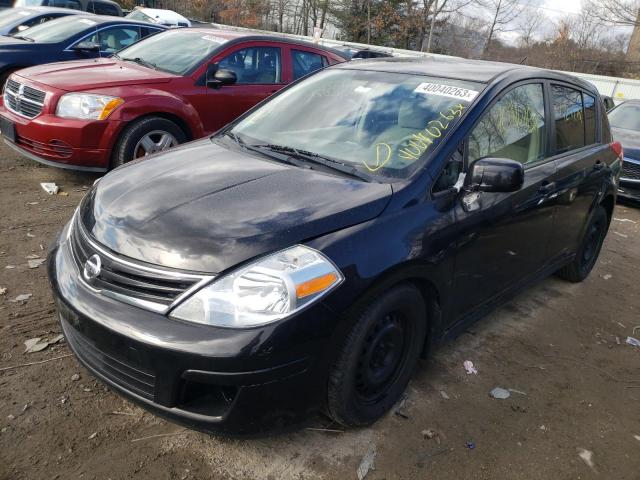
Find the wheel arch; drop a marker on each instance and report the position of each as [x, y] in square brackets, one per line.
[420, 276]
[184, 126]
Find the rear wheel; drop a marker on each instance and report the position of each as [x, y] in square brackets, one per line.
[589, 251]
[376, 360]
[145, 137]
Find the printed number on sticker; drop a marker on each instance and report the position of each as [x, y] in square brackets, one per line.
[446, 91]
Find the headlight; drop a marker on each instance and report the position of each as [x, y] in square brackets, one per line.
[87, 106]
[262, 292]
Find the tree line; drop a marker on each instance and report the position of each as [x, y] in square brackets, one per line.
[515, 31]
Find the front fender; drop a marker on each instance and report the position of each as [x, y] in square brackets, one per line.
[157, 103]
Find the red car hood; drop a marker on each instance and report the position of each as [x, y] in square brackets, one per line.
[92, 74]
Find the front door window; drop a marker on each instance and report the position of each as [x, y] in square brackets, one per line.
[259, 65]
[513, 128]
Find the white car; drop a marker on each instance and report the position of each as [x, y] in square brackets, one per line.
[168, 18]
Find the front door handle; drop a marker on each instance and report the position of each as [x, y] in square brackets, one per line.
[547, 187]
[599, 165]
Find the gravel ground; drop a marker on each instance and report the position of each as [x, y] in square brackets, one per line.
[561, 345]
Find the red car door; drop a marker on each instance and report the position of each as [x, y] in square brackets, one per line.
[260, 72]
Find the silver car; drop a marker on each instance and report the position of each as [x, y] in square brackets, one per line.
[15, 20]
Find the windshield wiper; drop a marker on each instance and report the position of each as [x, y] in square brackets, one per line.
[316, 158]
[257, 148]
[140, 61]
[22, 37]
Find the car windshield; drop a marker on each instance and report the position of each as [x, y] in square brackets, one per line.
[175, 51]
[13, 15]
[384, 125]
[625, 116]
[57, 30]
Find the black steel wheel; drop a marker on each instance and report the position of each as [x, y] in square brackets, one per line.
[379, 354]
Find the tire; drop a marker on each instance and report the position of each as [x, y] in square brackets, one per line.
[131, 144]
[589, 250]
[378, 356]
[5, 75]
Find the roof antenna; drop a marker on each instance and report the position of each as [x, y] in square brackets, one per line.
[524, 60]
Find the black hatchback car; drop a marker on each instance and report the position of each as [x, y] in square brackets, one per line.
[308, 254]
[74, 37]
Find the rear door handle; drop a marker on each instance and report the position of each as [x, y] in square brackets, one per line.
[547, 187]
[599, 165]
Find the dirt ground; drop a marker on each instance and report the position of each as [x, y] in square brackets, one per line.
[562, 346]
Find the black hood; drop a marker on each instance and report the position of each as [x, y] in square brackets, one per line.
[203, 207]
[630, 140]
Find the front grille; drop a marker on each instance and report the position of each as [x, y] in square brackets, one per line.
[630, 170]
[123, 372]
[23, 99]
[151, 288]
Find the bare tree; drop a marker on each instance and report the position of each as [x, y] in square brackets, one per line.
[529, 27]
[621, 12]
[503, 13]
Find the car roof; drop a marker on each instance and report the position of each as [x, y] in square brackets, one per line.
[238, 36]
[635, 102]
[100, 19]
[44, 9]
[458, 68]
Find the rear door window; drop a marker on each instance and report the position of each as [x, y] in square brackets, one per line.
[100, 8]
[514, 127]
[304, 63]
[569, 118]
[258, 65]
[74, 4]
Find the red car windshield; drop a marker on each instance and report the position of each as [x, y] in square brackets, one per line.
[174, 51]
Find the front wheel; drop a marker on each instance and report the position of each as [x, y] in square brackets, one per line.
[145, 137]
[374, 365]
[589, 250]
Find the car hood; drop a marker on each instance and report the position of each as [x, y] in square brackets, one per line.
[205, 208]
[92, 74]
[10, 43]
[630, 140]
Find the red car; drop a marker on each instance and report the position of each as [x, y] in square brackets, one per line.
[172, 87]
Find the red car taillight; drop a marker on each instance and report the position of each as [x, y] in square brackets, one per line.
[617, 149]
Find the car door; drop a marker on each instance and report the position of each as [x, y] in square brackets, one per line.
[259, 71]
[504, 236]
[580, 160]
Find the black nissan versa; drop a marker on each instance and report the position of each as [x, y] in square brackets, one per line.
[306, 256]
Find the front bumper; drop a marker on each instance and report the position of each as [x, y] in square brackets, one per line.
[629, 187]
[67, 143]
[234, 382]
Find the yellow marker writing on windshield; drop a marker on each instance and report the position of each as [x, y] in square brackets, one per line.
[383, 155]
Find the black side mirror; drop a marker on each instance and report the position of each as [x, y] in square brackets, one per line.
[494, 175]
[217, 78]
[87, 47]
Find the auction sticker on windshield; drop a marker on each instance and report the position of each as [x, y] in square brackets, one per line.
[213, 38]
[446, 91]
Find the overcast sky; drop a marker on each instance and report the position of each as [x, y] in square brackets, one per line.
[556, 11]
